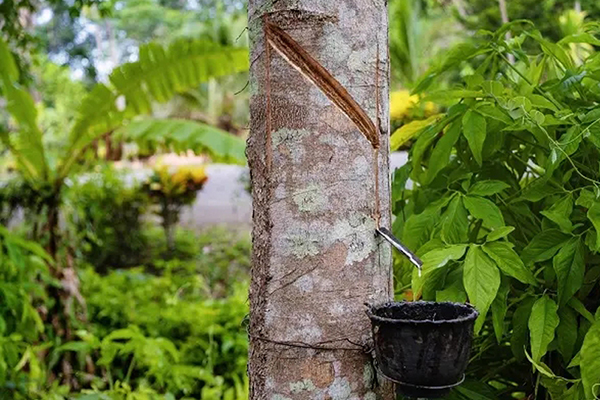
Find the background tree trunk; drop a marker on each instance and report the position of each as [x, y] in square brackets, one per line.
[316, 259]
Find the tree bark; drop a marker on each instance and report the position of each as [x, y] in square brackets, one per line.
[318, 187]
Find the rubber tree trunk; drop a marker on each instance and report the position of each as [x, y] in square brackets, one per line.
[316, 259]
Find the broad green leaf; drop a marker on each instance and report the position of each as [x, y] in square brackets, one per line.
[492, 111]
[581, 37]
[586, 199]
[541, 367]
[541, 102]
[159, 74]
[566, 333]
[434, 260]
[576, 361]
[494, 88]
[484, 209]
[481, 279]
[554, 51]
[455, 223]
[537, 190]
[499, 307]
[180, 135]
[544, 246]
[454, 293]
[442, 150]
[520, 331]
[591, 116]
[559, 213]
[570, 268]
[425, 140]
[418, 227]
[578, 306]
[487, 188]
[474, 129]
[542, 325]
[593, 215]
[499, 233]
[590, 362]
[555, 386]
[509, 261]
[26, 143]
[408, 131]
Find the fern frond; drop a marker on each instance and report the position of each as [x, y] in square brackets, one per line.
[25, 144]
[157, 76]
[180, 135]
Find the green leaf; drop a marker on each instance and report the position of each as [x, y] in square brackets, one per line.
[509, 261]
[442, 151]
[554, 51]
[590, 362]
[499, 307]
[499, 233]
[541, 102]
[474, 129]
[26, 143]
[570, 268]
[593, 215]
[559, 213]
[481, 279]
[494, 112]
[181, 135]
[578, 306]
[425, 140]
[455, 223]
[542, 325]
[487, 188]
[418, 227]
[566, 333]
[591, 116]
[586, 199]
[520, 331]
[434, 260]
[544, 246]
[541, 367]
[408, 131]
[484, 209]
[159, 74]
[576, 361]
[454, 293]
[582, 37]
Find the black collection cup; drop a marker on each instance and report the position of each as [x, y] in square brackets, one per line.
[423, 346]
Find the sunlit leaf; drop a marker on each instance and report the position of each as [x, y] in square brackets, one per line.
[542, 325]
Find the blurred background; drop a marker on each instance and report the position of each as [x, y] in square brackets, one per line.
[126, 229]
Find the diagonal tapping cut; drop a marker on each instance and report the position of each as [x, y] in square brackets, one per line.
[312, 70]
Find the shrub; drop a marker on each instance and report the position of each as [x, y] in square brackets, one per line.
[105, 215]
[504, 209]
[170, 191]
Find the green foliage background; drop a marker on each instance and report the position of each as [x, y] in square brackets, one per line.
[504, 209]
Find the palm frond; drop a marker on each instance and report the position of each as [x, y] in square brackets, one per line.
[26, 143]
[181, 135]
[157, 76]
